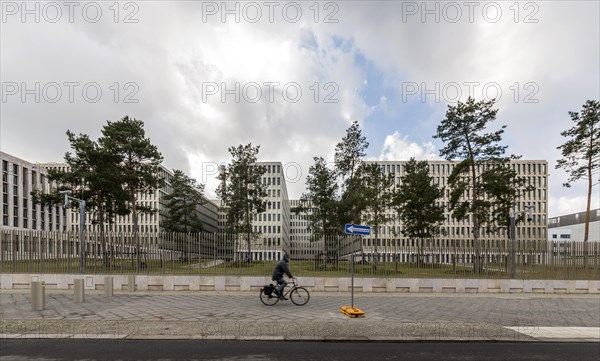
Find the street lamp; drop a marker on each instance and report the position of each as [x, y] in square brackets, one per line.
[81, 226]
[513, 231]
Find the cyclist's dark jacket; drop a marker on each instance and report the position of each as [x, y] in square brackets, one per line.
[280, 269]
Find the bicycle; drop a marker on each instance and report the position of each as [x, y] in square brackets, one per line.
[298, 295]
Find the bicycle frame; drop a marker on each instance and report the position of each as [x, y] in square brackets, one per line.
[297, 294]
[289, 289]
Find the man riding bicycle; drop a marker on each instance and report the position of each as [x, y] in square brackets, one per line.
[280, 269]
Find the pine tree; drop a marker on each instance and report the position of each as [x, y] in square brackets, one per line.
[417, 202]
[481, 165]
[377, 189]
[319, 204]
[137, 167]
[349, 154]
[581, 154]
[242, 192]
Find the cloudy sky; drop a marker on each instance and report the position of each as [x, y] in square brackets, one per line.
[292, 76]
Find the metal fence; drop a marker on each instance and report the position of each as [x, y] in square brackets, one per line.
[26, 251]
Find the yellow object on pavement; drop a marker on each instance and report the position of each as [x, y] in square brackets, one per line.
[352, 311]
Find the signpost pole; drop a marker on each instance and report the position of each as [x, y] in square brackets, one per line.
[352, 280]
[356, 231]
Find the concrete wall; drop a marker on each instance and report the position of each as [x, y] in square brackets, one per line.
[318, 284]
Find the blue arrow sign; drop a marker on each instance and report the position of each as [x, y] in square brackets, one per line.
[357, 229]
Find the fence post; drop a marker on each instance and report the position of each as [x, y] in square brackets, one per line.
[108, 286]
[38, 296]
[79, 292]
[131, 283]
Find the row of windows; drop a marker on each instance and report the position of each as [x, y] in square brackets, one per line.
[299, 224]
[271, 180]
[465, 231]
[262, 217]
[271, 193]
[142, 218]
[274, 168]
[500, 243]
[267, 229]
[118, 228]
[271, 205]
[446, 169]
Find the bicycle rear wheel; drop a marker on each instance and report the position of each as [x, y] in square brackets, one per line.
[268, 300]
[299, 296]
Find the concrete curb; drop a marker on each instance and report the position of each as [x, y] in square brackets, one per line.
[27, 330]
[31, 337]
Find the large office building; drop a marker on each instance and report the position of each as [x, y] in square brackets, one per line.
[147, 222]
[279, 230]
[303, 246]
[271, 229]
[391, 244]
[19, 179]
[459, 233]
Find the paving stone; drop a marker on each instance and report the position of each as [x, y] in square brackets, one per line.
[240, 315]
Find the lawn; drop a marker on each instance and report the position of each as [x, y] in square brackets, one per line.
[302, 268]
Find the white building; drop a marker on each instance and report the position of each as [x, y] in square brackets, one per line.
[302, 244]
[19, 179]
[392, 242]
[278, 230]
[571, 227]
[147, 222]
[272, 227]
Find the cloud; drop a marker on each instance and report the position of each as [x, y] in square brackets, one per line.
[397, 147]
[172, 53]
[568, 205]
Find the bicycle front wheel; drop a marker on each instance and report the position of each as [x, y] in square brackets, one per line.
[300, 296]
[268, 300]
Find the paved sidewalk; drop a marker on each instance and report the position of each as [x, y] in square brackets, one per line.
[241, 316]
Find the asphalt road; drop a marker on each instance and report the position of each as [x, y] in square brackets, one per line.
[258, 350]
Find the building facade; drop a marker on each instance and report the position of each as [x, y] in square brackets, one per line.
[571, 227]
[303, 246]
[392, 243]
[19, 179]
[279, 230]
[271, 229]
[147, 222]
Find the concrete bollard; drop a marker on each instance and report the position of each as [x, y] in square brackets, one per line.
[78, 295]
[131, 283]
[108, 286]
[38, 296]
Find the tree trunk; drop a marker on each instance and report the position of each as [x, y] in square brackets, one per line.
[587, 216]
[375, 251]
[476, 244]
[136, 239]
[105, 260]
[249, 255]
[477, 263]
